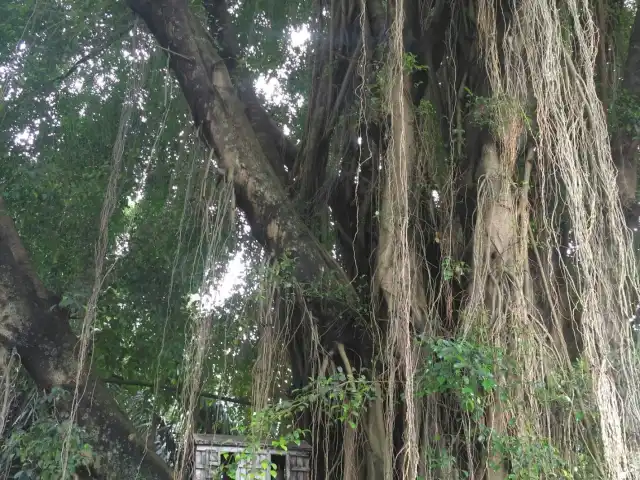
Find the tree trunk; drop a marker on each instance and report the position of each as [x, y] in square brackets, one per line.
[32, 324]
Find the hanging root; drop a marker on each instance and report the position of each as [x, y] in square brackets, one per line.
[399, 273]
[215, 230]
[108, 206]
[8, 363]
[574, 174]
[275, 312]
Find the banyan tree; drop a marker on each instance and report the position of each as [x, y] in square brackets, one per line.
[435, 209]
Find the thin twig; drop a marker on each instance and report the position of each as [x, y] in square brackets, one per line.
[139, 383]
[96, 52]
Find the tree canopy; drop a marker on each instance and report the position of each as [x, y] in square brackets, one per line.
[402, 230]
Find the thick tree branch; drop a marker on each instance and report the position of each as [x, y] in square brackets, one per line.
[46, 346]
[625, 144]
[9, 236]
[279, 150]
[220, 116]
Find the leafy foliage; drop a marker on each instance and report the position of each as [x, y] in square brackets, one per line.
[37, 449]
[469, 371]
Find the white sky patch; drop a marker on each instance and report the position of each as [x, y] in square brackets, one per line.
[27, 137]
[236, 271]
[271, 88]
[300, 36]
[122, 244]
[218, 294]
[270, 85]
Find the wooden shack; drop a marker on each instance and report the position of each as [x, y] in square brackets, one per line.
[215, 451]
